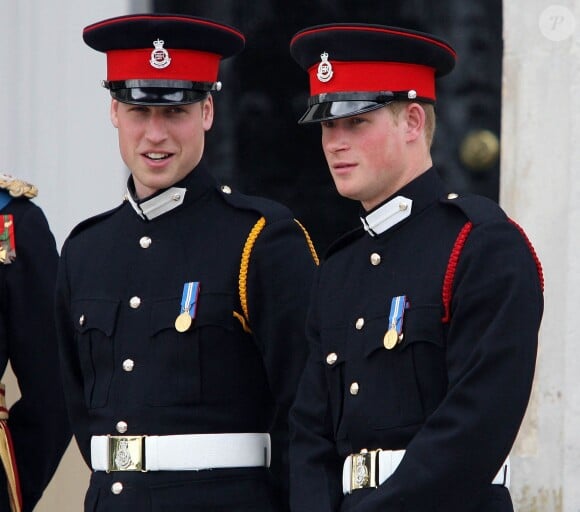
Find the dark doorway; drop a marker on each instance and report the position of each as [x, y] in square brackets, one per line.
[256, 144]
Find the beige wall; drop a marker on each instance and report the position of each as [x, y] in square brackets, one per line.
[540, 188]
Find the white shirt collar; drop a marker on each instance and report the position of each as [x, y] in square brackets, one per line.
[387, 215]
[159, 204]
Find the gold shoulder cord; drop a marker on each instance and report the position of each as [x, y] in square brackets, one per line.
[243, 278]
[310, 243]
[245, 263]
[17, 188]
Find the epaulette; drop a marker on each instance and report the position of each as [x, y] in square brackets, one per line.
[343, 241]
[477, 209]
[268, 211]
[267, 208]
[16, 187]
[91, 221]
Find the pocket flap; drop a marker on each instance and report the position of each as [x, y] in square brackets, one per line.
[423, 325]
[212, 309]
[100, 314]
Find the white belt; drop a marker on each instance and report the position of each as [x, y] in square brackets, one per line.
[371, 468]
[188, 452]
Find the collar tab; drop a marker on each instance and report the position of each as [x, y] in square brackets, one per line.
[387, 215]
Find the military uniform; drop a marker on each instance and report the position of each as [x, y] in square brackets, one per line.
[424, 321]
[128, 370]
[181, 315]
[37, 422]
[453, 391]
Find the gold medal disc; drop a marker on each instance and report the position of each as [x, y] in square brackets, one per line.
[183, 322]
[391, 339]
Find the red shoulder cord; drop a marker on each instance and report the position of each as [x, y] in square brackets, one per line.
[447, 291]
[451, 268]
[532, 251]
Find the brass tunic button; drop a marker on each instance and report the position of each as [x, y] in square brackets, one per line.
[354, 388]
[117, 488]
[360, 323]
[452, 196]
[121, 427]
[82, 320]
[331, 358]
[226, 190]
[145, 242]
[128, 365]
[375, 259]
[135, 302]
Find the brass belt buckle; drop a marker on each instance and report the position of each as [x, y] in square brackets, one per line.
[365, 469]
[126, 453]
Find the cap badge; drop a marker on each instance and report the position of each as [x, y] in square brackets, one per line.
[159, 56]
[324, 69]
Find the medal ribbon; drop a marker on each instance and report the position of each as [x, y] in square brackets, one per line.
[189, 298]
[397, 311]
[7, 241]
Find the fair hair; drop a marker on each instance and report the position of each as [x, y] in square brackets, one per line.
[396, 107]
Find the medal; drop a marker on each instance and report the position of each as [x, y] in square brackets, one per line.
[391, 339]
[188, 306]
[183, 322]
[395, 332]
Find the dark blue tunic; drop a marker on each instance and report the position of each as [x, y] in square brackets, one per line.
[452, 393]
[214, 378]
[38, 422]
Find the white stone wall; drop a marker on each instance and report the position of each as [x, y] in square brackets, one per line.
[540, 183]
[55, 132]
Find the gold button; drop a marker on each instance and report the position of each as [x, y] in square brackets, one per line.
[117, 488]
[360, 323]
[226, 190]
[354, 388]
[452, 196]
[375, 259]
[135, 302]
[82, 320]
[403, 206]
[331, 358]
[176, 197]
[121, 427]
[128, 365]
[145, 242]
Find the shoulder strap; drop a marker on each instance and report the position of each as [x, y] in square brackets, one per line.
[245, 264]
[447, 291]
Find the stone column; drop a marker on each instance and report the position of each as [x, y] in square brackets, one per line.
[540, 183]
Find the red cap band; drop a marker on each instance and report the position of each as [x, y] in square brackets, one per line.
[185, 65]
[375, 76]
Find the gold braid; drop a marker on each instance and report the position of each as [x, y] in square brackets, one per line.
[245, 263]
[310, 243]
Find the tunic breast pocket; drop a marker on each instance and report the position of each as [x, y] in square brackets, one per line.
[175, 369]
[413, 373]
[424, 346]
[95, 322]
